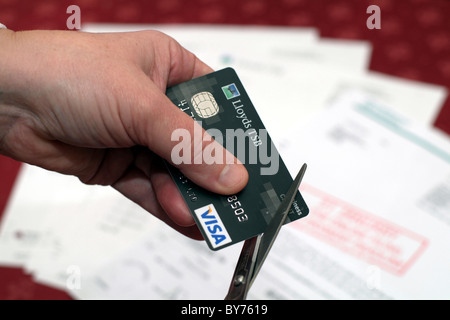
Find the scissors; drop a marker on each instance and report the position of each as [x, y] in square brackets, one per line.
[256, 249]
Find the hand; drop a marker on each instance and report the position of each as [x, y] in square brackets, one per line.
[93, 106]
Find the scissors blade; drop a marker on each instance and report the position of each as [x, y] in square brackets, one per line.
[274, 226]
[254, 250]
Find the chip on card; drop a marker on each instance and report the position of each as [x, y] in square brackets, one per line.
[219, 102]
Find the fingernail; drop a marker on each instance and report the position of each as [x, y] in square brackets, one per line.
[232, 176]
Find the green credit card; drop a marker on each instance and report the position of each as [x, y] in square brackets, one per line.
[219, 102]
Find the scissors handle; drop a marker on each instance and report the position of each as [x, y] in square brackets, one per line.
[256, 249]
[244, 269]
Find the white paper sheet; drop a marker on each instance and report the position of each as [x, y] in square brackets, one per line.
[377, 186]
[287, 94]
[208, 40]
[54, 221]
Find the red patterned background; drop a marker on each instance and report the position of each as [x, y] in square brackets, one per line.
[413, 43]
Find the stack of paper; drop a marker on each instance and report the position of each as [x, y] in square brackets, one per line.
[377, 185]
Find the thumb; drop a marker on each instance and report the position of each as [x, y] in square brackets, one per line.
[177, 138]
[163, 122]
[204, 160]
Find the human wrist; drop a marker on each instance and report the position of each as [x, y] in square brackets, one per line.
[8, 112]
[6, 39]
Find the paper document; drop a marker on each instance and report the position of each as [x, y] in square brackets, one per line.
[377, 190]
[378, 226]
[53, 222]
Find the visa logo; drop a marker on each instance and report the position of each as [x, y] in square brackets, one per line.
[212, 226]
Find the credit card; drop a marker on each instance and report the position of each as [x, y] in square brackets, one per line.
[219, 102]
